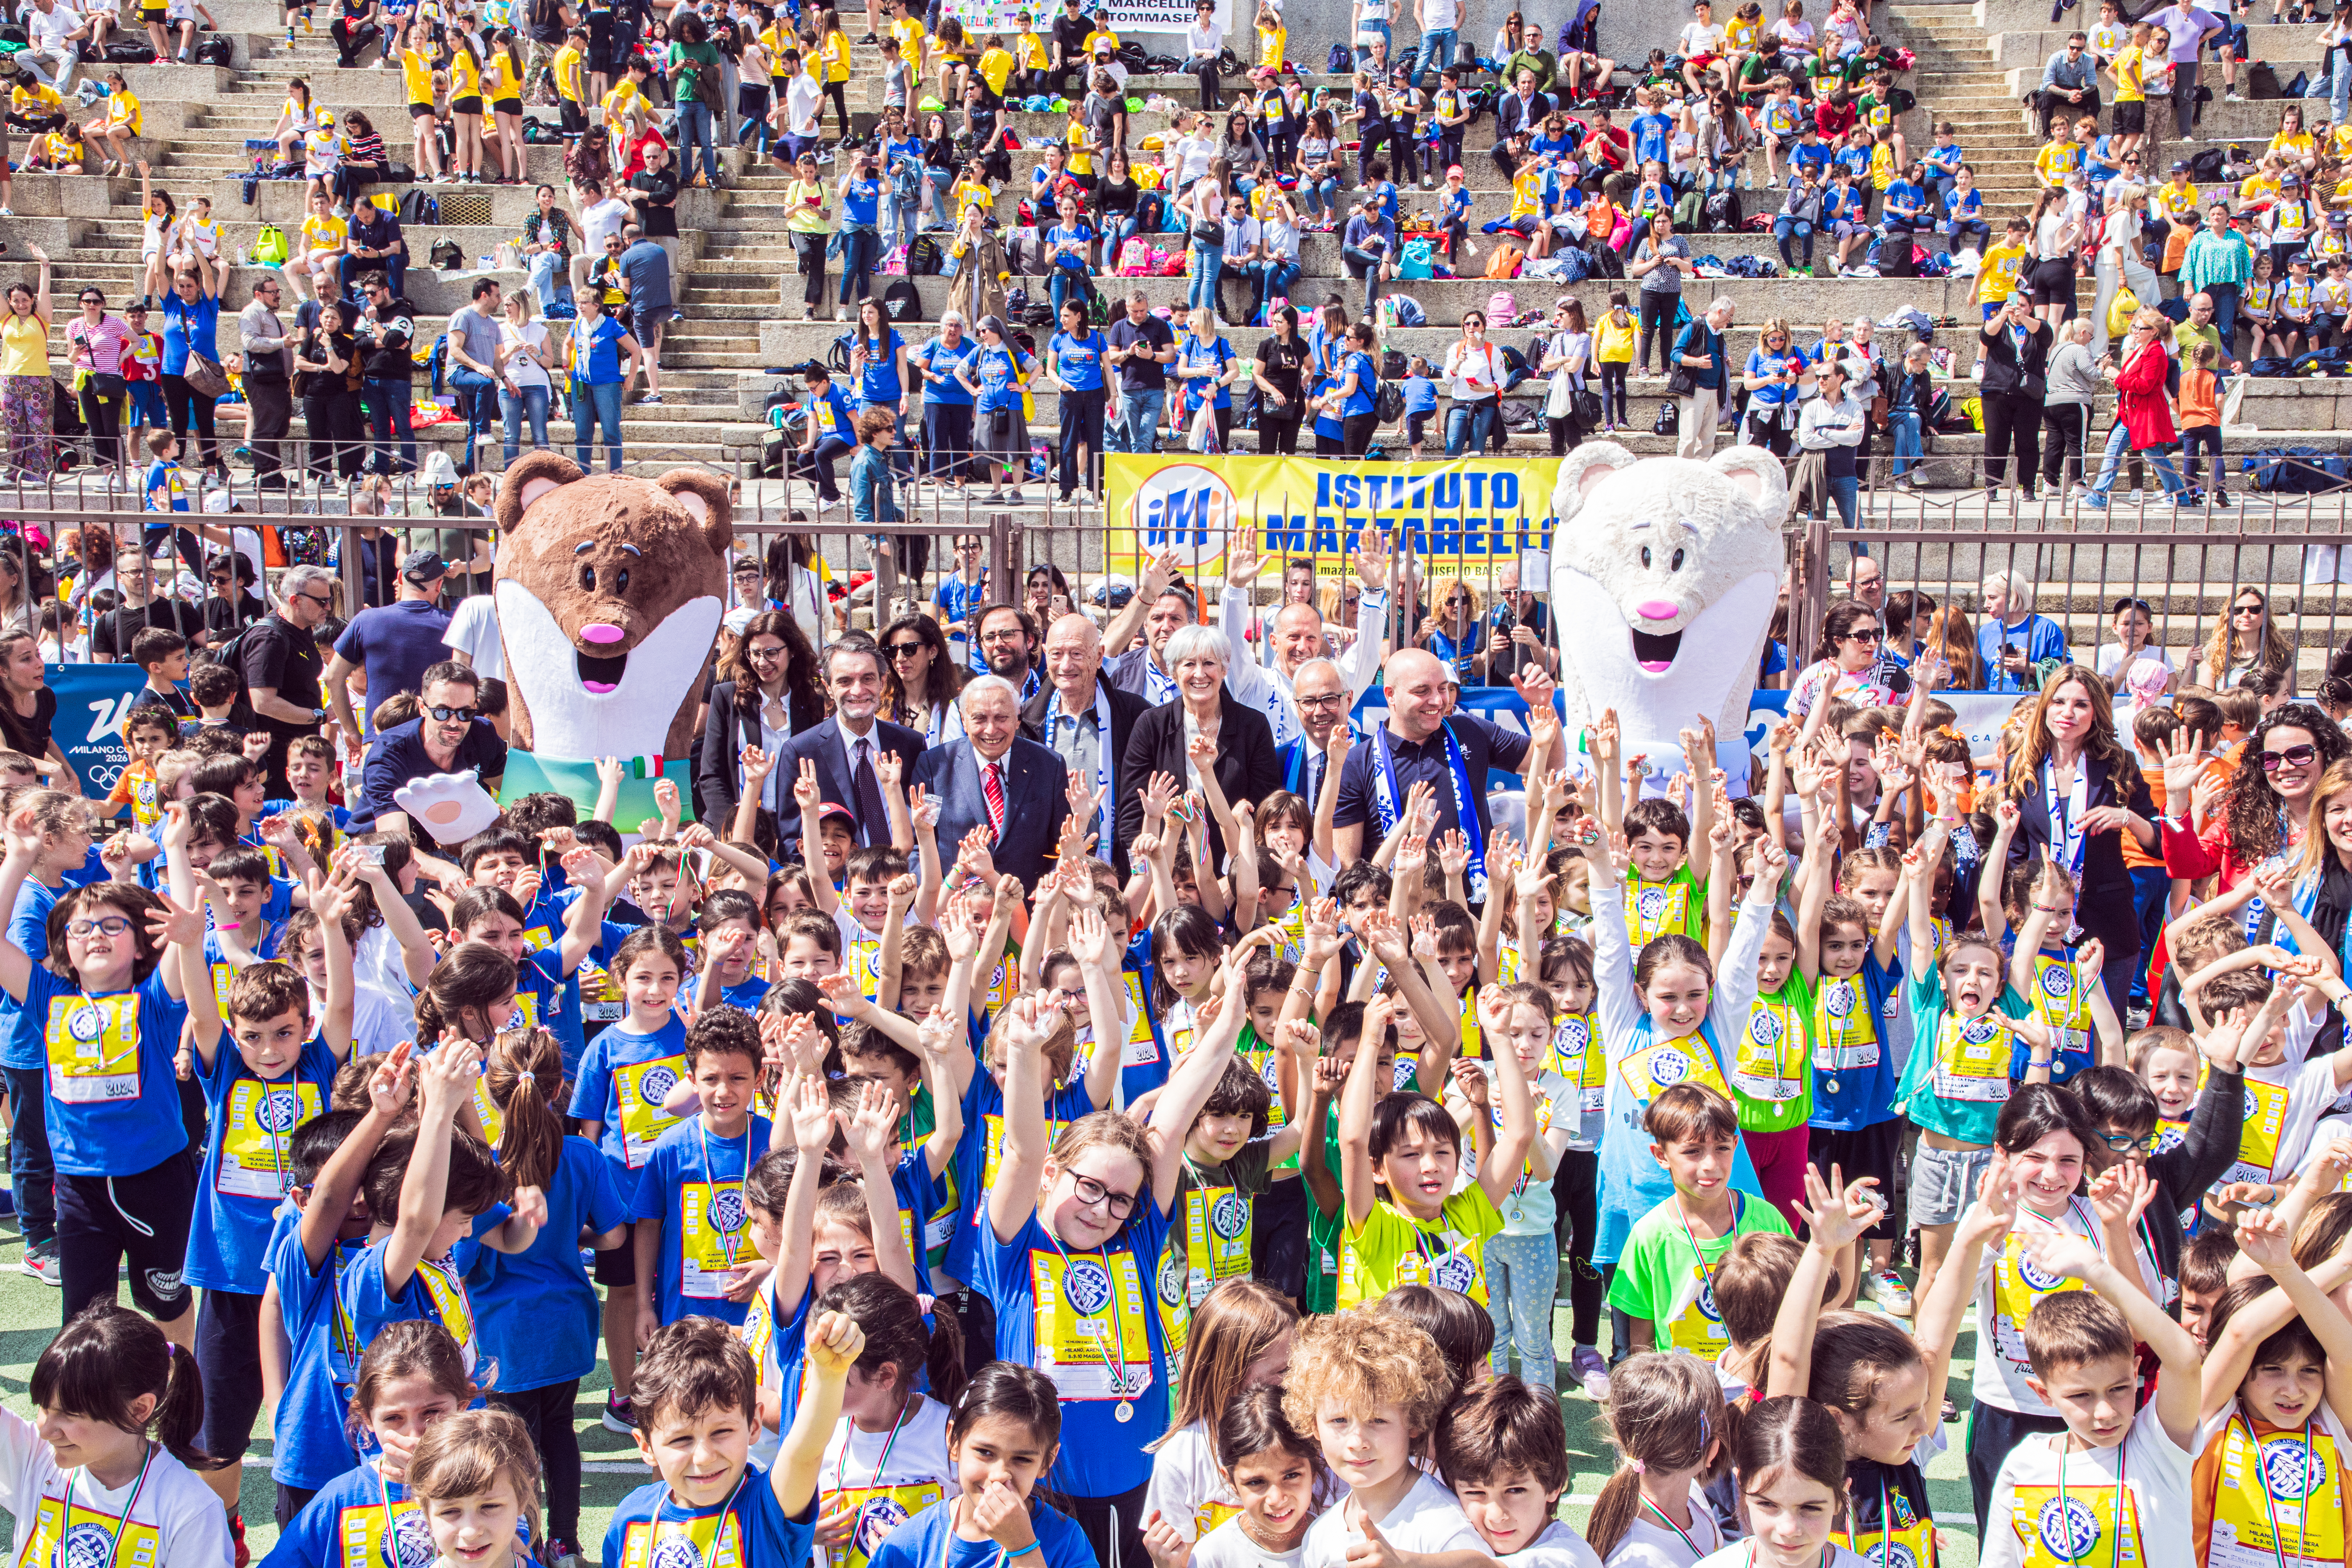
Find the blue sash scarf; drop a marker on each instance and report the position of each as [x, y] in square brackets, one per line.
[1465, 802]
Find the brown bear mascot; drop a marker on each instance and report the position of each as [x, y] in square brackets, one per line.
[610, 591]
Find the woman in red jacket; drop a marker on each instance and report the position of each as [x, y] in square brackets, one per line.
[2143, 412]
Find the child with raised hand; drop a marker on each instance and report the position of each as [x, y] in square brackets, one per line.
[1230, 1159]
[2063, 982]
[434, 1197]
[1667, 1421]
[2134, 1467]
[887, 1457]
[114, 1451]
[1881, 1386]
[1400, 1155]
[1789, 1456]
[1371, 1388]
[697, 1416]
[2287, 1098]
[628, 1072]
[63, 825]
[539, 1309]
[1240, 1339]
[2168, 1061]
[1668, 1017]
[1003, 1437]
[1504, 1450]
[475, 1481]
[781, 1196]
[1666, 1272]
[1071, 1243]
[111, 1013]
[2183, 1168]
[2272, 1406]
[689, 1206]
[275, 1077]
[411, 1377]
[1965, 1021]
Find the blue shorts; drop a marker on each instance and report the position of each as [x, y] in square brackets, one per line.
[147, 404]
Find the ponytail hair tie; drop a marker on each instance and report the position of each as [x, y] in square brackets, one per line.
[1638, 1466]
[170, 1350]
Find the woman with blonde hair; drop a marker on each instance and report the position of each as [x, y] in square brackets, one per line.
[2246, 640]
[1453, 633]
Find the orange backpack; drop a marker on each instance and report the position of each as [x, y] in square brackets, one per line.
[1504, 261]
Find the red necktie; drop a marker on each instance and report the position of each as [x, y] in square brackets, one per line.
[992, 784]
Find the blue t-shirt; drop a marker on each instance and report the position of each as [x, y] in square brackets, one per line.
[247, 1172]
[187, 327]
[311, 1446]
[1385, 193]
[1760, 363]
[1081, 236]
[340, 815]
[749, 1528]
[1904, 194]
[1077, 362]
[1812, 155]
[858, 200]
[1367, 385]
[1419, 394]
[437, 1290]
[1856, 159]
[596, 353]
[977, 1150]
[1215, 354]
[112, 1100]
[940, 365]
[1963, 204]
[957, 600]
[345, 1523]
[1551, 146]
[1110, 1298]
[395, 642]
[1863, 1071]
[1652, 134]
[167, 477]
[694, 1189]
[747, 995]
[2037, 636]
[929, 1540]
[878, 381]
[24, 1046]
[1943, 162]
[830, 414]
[541, 1317]
[1842, 203]
[623, 1081]
[921, 1196]
[998, 370]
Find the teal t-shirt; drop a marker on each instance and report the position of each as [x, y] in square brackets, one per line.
[1958, 1077]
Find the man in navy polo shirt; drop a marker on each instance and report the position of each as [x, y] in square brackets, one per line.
[1420, 745]
[448, 737]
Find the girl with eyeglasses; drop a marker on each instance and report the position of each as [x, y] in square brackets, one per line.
[2246, 641]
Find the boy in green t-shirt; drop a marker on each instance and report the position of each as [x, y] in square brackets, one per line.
[1669, 854]
[1665, 1274]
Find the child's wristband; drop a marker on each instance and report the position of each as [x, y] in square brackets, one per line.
[1017, 1556]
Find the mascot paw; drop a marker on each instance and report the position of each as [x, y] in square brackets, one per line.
[451, 806]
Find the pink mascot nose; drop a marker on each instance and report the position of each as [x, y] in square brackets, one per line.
[597, 631]
[1656, 610]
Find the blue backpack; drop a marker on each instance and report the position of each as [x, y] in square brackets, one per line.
[1414, 261]
[1341, 60]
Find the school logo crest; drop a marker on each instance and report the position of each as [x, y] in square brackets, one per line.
[1229, 1216]
[2253, 1107]
[1896, 1555]
[1669, 1067]
[409, 1542]
[88, 1546]
[2069, 1529]
[727, 1211]
[1765, 1029]
[875, 1521]
[1087, 1286]
[2058, 981]
[1573, 1036]
[277, 1112]
[1979, 1030]
[86, 1023]
[1650, 903]
[1839, 1002]
[1175, 1272]
[1704, 1299]
[1403, 1072]
[1457, 1272]
[2038, 1280]
[673, 1551]
[2291, 1471]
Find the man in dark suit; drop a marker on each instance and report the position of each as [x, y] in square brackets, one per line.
[1084, 720]
[847, 747]
[1011, 789]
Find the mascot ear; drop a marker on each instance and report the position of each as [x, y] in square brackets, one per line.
[704, 497]
[1758, 475]
[1580, 471]
[527, 481]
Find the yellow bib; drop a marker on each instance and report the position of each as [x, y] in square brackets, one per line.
[94, 1049]
[2077, 1530]
[880, 1510]
[56, 1538]
[360, 1534]
[451, 1304]
[1845, 1036]
[2274, 1482]
[1903, 1540]
[1656, 910]
[2258, 1135]
[2018, 1285]
[1669, 1062]
[2058, 1002]
[256, 1131]
[1769, 1063]
[706, 1540]
[1091, 1334]
[1573, 1057]
[1217, 1227]
[1972, 1057]
[993, 1143]
[641, 1087]
[711, 1233]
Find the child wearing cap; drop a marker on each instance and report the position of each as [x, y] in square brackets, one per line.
[2295, 306]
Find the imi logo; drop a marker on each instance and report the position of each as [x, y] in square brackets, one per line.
[1187, 509]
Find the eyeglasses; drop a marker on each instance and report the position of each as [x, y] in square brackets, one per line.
[1862, 634]
[1335, 699]
[1091, 1192]
[2301, 756]
[2245, 609]
[2124, 1143]
[452, 715]
[326, 599]
[112, 925]
[907, 649]
[1458, 598]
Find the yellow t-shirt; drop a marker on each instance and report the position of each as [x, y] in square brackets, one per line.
[2178, 200]
[1526, 192]
[1096, 37]
[622, 100]
[2339, 140]
[503, 80]
[2056, 161]
[34, 100]
[970, 196]
[1613, 342]
[996, 69]
[799, 216]
[1082, 161]
[58, 149]
[1739, 33]
[1272, 44]
[324, 235]
[123, 108]
[568, 87]
[2128, 69]
[2259, 187]
[464, 80]
[1882, 165]
[909, 35]
[416, 76]
[1034, 57]
[1393, 1249]
[1997, 271]
[835, 51]
[2295, 148]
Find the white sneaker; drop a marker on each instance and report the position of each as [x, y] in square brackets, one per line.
[1893, 1296]
[2235, 97]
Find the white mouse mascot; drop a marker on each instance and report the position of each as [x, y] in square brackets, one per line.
[1664, 575]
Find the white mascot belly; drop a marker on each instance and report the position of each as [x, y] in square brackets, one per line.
[1664, 576]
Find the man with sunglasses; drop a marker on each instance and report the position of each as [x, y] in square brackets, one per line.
[395, 643]
[450, 736]
[283, 670]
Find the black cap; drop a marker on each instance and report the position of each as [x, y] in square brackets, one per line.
[421, 566]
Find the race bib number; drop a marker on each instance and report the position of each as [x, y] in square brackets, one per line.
[641, 1087]
[258, 1124]
[94, 1049]
[1769, 1064]
[1846, 1035]
[1090, 1333]
[711, 1221]
[1217, 1224]
[2274, 1495]
[2078, 1527]
[1972, 1058]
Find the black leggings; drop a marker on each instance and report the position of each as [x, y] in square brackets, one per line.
[1276, 436]
[2012, 420]
[834, 90]
[1564, 435]
[1658, 322]
[186, 408]
[1576, 1191]
[812, 251]
[548, 1414]
[2062, 442]
[1359, 428]
[104, 417]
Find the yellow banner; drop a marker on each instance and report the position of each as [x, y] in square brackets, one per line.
[1461, 517]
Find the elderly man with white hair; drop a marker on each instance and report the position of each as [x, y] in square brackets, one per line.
[1011, 790]
[1209, 739]
[2013, 640]
[1086, 720]
[1296, 634]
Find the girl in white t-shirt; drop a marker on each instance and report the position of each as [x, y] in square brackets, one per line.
[1665, 1420]
[1790, 1462]
[1278, 1476]
[126, 1406]
[1239, 1340]
[888, 1458]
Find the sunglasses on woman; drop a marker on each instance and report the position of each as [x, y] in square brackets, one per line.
[2301, 756]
